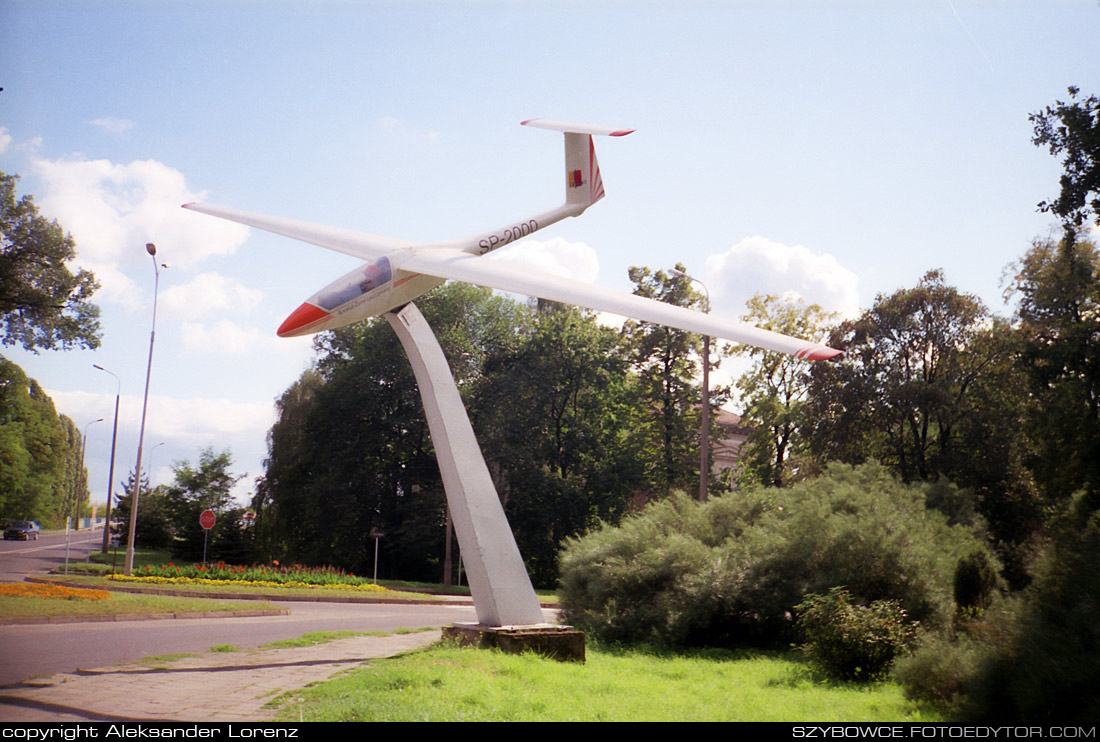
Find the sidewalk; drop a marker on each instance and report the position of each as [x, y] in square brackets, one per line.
[215, 687]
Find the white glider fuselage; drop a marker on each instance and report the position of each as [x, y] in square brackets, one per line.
[397, 272]
[381, 285]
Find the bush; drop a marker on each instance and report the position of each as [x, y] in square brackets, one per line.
[853, 642]
[1046, 666]
[731, 571]
[975, 581]
[940, 671]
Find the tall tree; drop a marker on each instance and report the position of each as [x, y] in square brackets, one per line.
[557, 424]
[665, 359]
[42, 304]
[1073, 130]
[351, 451]
[1058, 308]
[774, 390]
[928, 385]
[39, 452]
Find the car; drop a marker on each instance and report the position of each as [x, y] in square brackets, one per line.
[22, 529]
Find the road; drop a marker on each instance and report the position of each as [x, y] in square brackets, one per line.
[44, 649]
[21, 558]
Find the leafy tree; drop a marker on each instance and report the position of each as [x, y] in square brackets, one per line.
[351, 450]
[1073, 129]
[554, 415]
[40, 474]
[1058, 286]
[42, 304]
[928, 385]
[664, 359]
[774, 390]
[209, 486]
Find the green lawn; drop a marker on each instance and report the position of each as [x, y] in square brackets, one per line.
[21, 607]
[452, 684]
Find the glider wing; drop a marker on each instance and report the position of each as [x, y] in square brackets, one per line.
[347, 241]
[497, 274]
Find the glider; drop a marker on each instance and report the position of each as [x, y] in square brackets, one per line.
[397, 271]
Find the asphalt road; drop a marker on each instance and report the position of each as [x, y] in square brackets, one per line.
[45, 649]
[21, 558]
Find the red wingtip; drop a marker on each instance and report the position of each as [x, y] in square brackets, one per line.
[301, 319]
[621, 132]
[822, 353]
[188, 205]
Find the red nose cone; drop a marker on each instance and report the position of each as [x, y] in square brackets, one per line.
[301, 320]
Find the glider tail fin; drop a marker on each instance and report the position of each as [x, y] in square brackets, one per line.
[583, 184]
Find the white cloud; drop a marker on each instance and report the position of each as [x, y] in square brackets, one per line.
[759, 265]
[113, 210]
[226, 337]
[5, 139]
[112, 125]
[557, 257]
[209, 293]
[196, 421]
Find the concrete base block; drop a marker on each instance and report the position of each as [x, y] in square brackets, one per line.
[563, 643]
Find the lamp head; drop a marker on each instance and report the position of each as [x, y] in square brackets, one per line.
[151, 248]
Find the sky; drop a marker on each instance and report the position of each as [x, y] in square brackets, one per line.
[830, 150]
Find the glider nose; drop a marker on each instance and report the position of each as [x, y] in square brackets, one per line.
[301, 320]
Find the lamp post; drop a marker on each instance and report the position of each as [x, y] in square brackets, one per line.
[83, 449]
[149, 463]
[111, 473]
[152, 250]
[704, 435]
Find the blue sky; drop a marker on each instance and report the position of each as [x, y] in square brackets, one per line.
[833, 149]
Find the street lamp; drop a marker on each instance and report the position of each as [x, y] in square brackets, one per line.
[152, 250]
[83, 449]
[111, 474]
[149, 463]
[704, 455]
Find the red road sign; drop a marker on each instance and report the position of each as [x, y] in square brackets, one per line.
[206, 520]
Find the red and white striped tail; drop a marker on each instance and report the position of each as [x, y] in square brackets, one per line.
[583, 182]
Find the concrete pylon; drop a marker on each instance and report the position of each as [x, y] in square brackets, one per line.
[502, 591]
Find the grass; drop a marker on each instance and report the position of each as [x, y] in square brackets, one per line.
[447, 683]
[224, 648]
[23, 607]
[313, 638]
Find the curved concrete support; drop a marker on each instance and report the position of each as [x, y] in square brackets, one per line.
[502, 591]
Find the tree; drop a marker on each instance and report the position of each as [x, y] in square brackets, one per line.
[557, 423]
[1073, 129]
[206, 487]
[1058, 290]
[41, 477]
[664, 358]
[42, 304]
[929, 386]
[350, 450]
[774, 390]
[155, 529]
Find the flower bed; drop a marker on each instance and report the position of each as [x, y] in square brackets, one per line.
[35, 590]
[256, 576]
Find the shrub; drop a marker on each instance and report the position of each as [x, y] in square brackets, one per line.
[940, 671]
[1046, 665]
[853, 642]
[731, 571]
[975, 581]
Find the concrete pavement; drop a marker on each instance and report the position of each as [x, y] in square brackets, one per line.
[213, 687]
